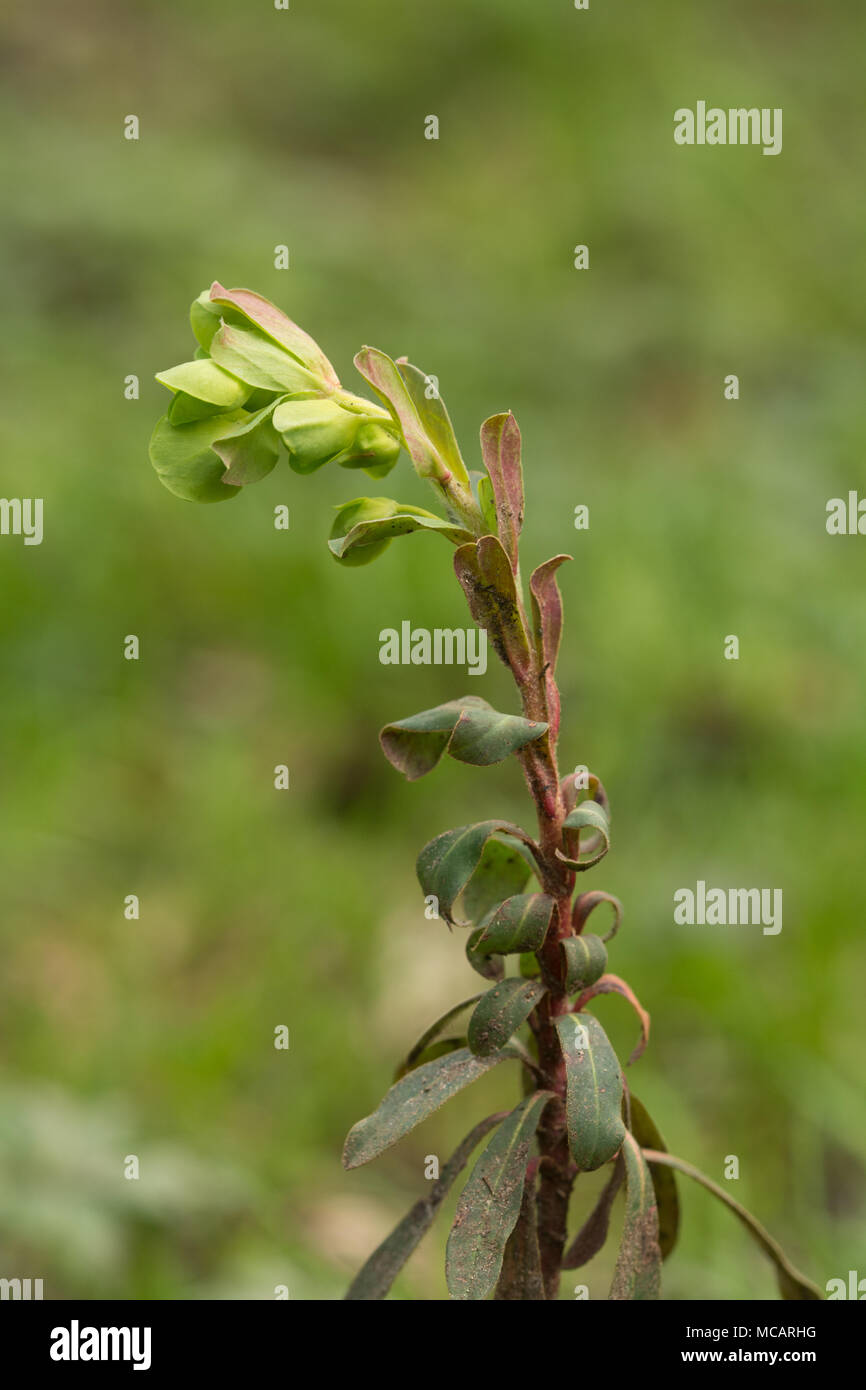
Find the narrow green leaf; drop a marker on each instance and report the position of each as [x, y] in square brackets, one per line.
[593, 1101]
[432, 1033]
[370, 523]
[184, 459]
[520, 1279]
[434, 418]
[486, 577]
[412, 1099]
[381, 1269]
[593, 1233]
[384, 377]
[500, 450]
[585, 958]
[793, 1286]
[588, 816]
[447, 863]
[500, 1012]
[518, 924]
[637, 1275]
[644, 1129]
[490, 1204]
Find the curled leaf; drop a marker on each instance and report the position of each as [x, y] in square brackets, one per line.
[468, 729]
[612, 984]
[518, 924]
[184, 458]
[491, 966]
[584, 959]
[247, 306]
[583, 906]
[503, 869]
[384, 376]
[446, 864]
[364, 527]
[588, 816]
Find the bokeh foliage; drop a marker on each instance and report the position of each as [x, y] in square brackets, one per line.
[707, 518]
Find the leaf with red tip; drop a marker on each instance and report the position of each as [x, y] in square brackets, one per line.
[612, 984]
[488, 583]
[278, 326]
[500, 449]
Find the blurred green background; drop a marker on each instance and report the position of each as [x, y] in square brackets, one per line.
[258, 908]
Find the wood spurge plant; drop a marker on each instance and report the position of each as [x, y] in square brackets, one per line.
[257, 385]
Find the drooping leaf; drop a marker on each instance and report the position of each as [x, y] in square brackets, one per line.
[378, 1274]
[637, 1275]
[593, 1098]
[585, 958]
[184, 459]
[500, 1012]
[588, 816]
[434, 418]
[467, 728]
[249, 450]
[365, 526]
[487, 580]
[446, 864]
[612, 984]
[264, 315]
[518, 924]
[520, 1278]
[208, 382]
[793, 1286]
[583, 906]
[432, 1033]
[414, 1097]
[503, 870]
[490, 1204]
[384, 376]
[500, 450]
[258, 361]
[593, 1233]
[644, 1129]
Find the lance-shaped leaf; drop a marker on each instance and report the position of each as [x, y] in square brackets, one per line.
[584, 958]
[500, 450]
[468, 728]
[264, 315]
[365, 526]
[381, 1269]
[593, 1097]
[612, 984]
[256, 360]
[638, 1267]
[384, 376]
[434, 1032]
[520, 1279]
[519, 924]
[434, 418]
[488, 583]
[588, 816]
[583, 906]
[490, 1204]
[414, 1097]
[500, 1012]
[207, 382]
[490, 966]
[793, 1286]
[644, 1129]
[447, 863]
[503, 870]
[249, 449]
[547, 629]
[593, 1233]
[185, 461]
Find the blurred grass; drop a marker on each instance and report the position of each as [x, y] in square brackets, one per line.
[707, 517]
